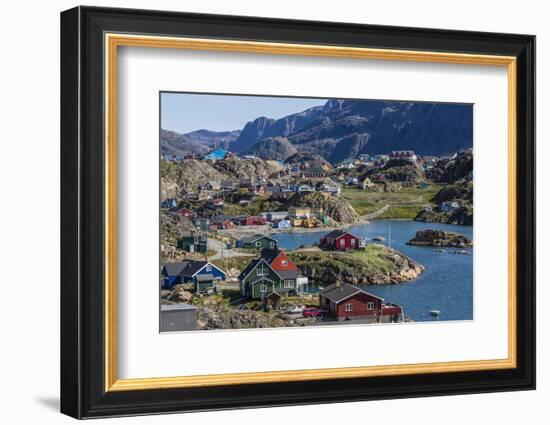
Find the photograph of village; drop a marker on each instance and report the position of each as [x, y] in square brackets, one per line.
[288, 212]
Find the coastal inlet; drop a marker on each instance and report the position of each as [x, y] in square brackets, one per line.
[446, 284]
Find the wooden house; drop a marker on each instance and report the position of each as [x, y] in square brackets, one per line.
[169, 203]
[253, 221]
[340, 240]
[313, 173]
[299, 212]
[184, 212]
[202, 274]
[347, 302]
[258, 242]
[272, 272]
[193, 242]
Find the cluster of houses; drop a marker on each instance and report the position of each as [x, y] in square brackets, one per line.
[270, 277]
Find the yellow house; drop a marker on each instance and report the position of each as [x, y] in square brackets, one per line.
[297, 212]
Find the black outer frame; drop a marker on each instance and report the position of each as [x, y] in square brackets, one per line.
[82, 207]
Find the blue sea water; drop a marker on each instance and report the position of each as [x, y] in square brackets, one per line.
[446, 284]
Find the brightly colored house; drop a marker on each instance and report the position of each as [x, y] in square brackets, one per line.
[272, 272]
[346, 302]
[340, 240]
[201, 273]
[193, 242]
[258, 242]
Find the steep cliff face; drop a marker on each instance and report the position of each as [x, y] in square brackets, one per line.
[344, 128]
[278, 148]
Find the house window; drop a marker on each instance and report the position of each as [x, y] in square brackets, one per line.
[262, 270]
[289, 283]
[370, 305]
[259, 243]
[263, 288]
[353, 242]
[284, 263]
[342, 242]
[208, 268]
[349, 307]
[272, 244]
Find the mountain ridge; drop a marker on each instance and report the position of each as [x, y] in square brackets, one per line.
[341, 129]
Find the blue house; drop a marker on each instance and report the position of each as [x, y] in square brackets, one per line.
[202, 274]
[169, 203]
[283, 224]
[216, 154]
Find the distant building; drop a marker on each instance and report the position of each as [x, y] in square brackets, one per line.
[283, 224]
[202, 274]
[216, 154]
[449, 206]
[169, 203]
[193, 242]
[245, 183]
[184, 212]
[258, 242]
[227, 185]
[213, 185]
[305, 188]
[276, 215]
[313, 173]
[299, 212]
[340, 240]
[252, 221]
[403, 156]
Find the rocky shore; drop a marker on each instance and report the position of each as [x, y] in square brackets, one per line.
[440, 238]
[376, 265]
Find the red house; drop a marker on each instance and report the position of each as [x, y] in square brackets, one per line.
[278, 260]
[184, 212]
[253, 221]
[347, 302]
[226, 224]
[340, 240]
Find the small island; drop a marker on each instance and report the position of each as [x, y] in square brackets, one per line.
[440, 238]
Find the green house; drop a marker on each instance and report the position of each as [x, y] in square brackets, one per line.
[193, 242]
[258, 242]
[259, 280]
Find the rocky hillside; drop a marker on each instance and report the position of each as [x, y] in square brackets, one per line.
[188, 174]
[235, 168]
[336, 208]
[451, 170]
[214, 139]
[376, 265]
[172, 143]
[197, 142]
[176, 176]
[278, 148]
[344, 128]
[171, 227]
[461, 193]
[402, 171]
[440, 238]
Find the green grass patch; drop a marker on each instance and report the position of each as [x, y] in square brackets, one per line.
[238, 263]
[404, 204]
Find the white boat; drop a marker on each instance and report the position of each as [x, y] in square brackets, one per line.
[434, 312]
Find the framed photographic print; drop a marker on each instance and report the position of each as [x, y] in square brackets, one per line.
[261, 212]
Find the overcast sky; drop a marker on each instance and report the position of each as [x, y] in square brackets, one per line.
[184, 112]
